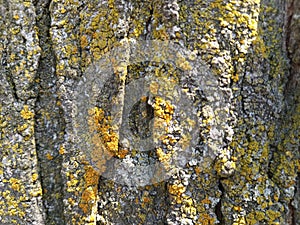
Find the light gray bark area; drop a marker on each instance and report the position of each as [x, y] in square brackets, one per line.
[253, 49]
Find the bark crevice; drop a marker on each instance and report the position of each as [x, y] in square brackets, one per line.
[218, 207]
[49, 122]
[292, 91]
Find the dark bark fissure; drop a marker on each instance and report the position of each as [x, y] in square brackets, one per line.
[290, 49]
[242, 104]
[12, 84]
[292, 214]
[289, 16]
[291, 91]
[218, 207]
[49, 122]
[273, 148]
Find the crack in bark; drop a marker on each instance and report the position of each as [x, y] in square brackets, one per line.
[291, 91]
[218, 207]
[49, 123]
[291, 11]
[12, 84]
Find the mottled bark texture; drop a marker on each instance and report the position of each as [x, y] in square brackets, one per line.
[251, 45]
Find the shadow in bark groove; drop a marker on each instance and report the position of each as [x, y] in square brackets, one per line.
[49, 122]
[218, 208]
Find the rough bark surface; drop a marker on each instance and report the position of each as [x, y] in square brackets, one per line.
[251, 46]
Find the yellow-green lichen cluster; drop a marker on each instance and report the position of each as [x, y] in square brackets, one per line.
[97, 30]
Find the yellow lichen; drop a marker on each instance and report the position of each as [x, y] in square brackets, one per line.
[163, 157]
[88, 199]
[61, 150]
[89, 194]
[15, 184]
[273, 215]
[205, 219]
[22, 127]
[34, 177]
[163, 109]
[49, 156]
[106, 132]
[26, 113]
[240, 221]
[16, 17]
[206, 201]
[176, 190]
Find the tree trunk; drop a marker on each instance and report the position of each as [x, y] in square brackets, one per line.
[220, 112]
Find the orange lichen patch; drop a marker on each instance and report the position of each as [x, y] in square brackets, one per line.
[16, 17]
[122, 153]
[136, 200]
[71, 201]
[103, 125]
[89, 195]
[163, 109]
[197, 170]
[26, 113]
[146, 199]
[276, 197]
[206, 201]
[91, 176]
[144, 99]
[176, 190]
[61, 150]
[235, 77]
[238, 208]
[73, 183]
[165, 158]
[205, 219]
[88, 199]
[49, 156]
[168, 140]
[163, 112]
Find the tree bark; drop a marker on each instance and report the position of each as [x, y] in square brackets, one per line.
[252, 51]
